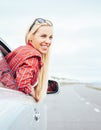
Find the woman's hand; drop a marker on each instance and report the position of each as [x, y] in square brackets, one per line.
[33, 94]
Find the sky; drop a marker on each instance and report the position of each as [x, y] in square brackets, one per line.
[76, 47]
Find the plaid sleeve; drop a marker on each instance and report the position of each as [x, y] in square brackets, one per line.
[6, 78]
[27, 74]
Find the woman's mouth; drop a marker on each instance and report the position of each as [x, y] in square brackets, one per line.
[44, 47]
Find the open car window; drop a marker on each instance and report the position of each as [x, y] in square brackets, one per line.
[6, 78]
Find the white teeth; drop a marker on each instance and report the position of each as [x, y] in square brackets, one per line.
[45, 47]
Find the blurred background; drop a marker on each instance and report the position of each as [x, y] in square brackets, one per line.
[76, 48]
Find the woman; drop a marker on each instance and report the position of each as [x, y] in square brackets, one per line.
[29, 63]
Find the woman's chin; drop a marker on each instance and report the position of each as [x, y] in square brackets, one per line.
[44, 51]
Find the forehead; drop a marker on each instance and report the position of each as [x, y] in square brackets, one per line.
[45, 29]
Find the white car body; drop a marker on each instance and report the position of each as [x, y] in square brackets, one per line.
[19, 111]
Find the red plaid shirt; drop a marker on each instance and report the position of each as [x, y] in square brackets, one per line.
[25, 63]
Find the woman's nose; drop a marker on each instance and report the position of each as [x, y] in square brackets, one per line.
[48, 41]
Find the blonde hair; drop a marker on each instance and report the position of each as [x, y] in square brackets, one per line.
[41, 88]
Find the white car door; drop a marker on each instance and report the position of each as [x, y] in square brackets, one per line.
[20, 112]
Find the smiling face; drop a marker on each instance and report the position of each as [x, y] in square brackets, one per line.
[42, 39]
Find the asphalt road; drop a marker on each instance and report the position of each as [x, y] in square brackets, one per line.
[75, 107]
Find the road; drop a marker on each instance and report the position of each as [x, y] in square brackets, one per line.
[75, 107]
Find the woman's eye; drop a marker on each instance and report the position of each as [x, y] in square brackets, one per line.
[43, 35]
[51, 37]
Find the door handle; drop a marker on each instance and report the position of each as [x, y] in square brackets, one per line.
[36, 115]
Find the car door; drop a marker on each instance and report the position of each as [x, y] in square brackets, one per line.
[20, 112]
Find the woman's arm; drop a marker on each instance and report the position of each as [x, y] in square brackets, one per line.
[27, 75]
